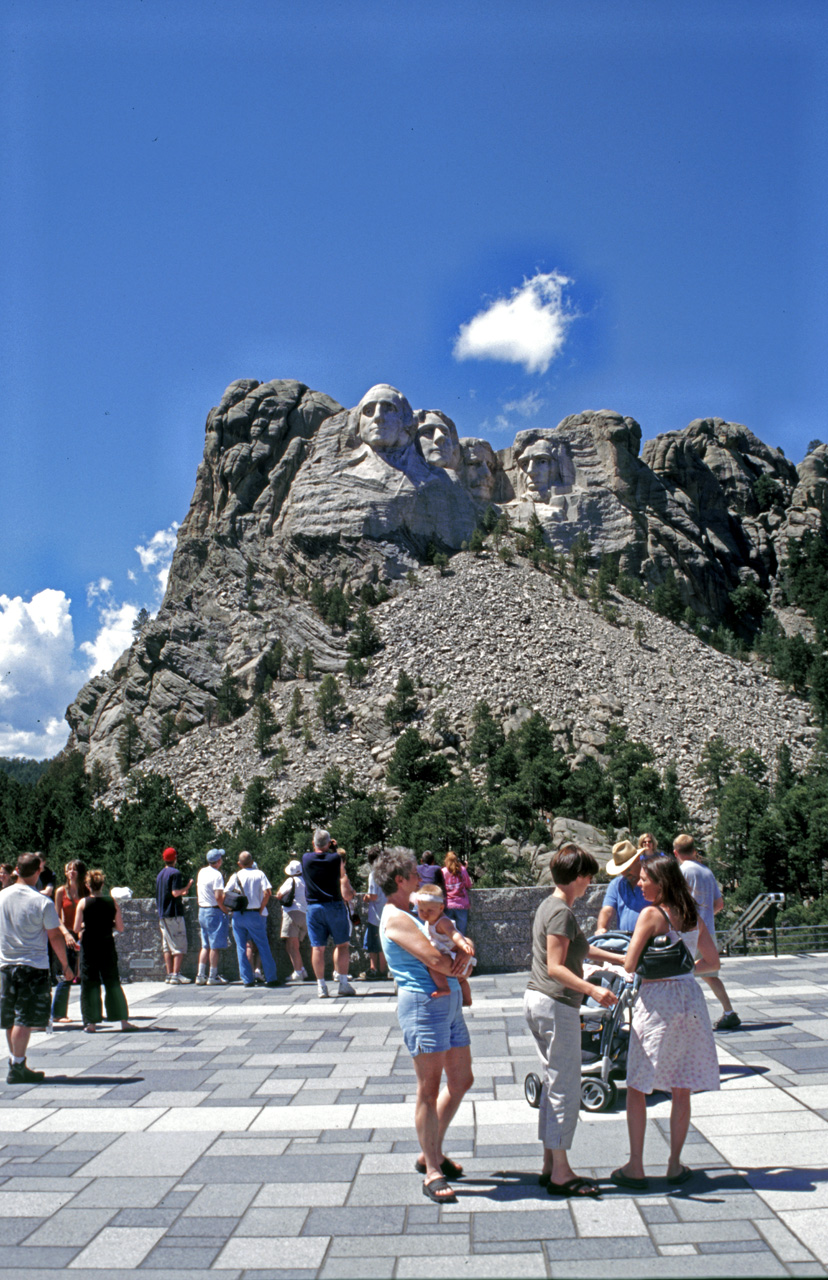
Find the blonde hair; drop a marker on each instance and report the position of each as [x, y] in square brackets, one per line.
[95, 880]
[429, 893]
[452, 863]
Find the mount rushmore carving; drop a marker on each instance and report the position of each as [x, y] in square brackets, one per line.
[294, 487]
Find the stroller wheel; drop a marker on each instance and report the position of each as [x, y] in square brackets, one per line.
[532, 1089]
[596, 1095]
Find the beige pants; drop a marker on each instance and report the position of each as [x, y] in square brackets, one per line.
[556, 1028]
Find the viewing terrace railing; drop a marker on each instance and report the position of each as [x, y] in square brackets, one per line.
[776, 939]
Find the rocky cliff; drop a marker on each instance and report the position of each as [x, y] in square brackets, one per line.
[294, 490]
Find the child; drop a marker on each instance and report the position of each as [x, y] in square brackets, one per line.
[443, 935]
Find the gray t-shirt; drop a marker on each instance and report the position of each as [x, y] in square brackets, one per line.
[553, 916]
[25, 915]
[705, 889]
[374, 908]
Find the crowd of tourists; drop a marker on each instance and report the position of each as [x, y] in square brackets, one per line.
[416, 932]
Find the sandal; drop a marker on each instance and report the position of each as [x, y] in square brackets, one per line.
[448, 1168]
[575, 1187]
[432, 1191]
[622, 1179]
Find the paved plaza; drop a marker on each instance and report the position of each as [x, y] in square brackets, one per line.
[269, 1134]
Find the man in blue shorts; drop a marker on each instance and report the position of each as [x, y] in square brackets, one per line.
[328, 888]
[623, 899]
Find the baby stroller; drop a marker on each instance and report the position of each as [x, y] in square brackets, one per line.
[605, 1034]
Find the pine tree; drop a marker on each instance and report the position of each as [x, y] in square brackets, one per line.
[294, 716]
[329, 703]
[403, 706]
[129, 743]
[229, 702]
[364, 640]
[265, 724]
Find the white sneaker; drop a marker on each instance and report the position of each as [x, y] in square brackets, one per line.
[201, 980]
[345, 988]
[322, 989]
[217, 981]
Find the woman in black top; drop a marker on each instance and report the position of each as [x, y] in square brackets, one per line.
[94, 921]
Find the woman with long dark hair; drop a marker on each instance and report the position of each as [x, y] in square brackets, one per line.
[671, 1044]
[95, 919]
[67, 897]
[457, 883]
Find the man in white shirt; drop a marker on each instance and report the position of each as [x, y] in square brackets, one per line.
[294, 917]
[28, 923]
[707, 895]
[213, 920]
[252, 924]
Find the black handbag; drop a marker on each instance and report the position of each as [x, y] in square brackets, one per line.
[662, 958]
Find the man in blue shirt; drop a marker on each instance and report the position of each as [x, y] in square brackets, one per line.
[623, 899]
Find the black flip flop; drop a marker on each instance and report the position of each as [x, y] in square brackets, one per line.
[575, 1187]
[448, 1168]
[622, 1179]
[439, 1184]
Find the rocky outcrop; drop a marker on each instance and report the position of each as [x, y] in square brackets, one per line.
[294, 490]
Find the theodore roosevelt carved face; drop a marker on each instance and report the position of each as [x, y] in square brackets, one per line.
[385, 420]
[479, 468]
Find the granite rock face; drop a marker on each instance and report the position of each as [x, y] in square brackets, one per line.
[295, 490]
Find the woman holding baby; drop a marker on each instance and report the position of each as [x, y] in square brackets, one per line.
[431, 1019]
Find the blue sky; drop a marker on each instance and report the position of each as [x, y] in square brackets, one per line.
[198, 192]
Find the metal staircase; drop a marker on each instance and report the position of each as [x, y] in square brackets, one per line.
[749, 919]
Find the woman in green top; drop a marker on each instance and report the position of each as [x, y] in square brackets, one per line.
[550, 1006]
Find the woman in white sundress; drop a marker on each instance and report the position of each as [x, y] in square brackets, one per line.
[671, 1045]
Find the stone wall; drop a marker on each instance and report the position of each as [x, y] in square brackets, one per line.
[500, 922]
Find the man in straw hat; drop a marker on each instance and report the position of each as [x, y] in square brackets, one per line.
[294, 917]
[623, 898]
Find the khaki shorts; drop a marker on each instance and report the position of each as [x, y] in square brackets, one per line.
[294, 926]
[174, 935]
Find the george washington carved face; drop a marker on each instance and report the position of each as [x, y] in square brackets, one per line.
[385, 420]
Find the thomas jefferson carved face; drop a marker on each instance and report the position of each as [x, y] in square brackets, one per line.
[479, 467]
[437, 439]
[386, 421]
[538, 471]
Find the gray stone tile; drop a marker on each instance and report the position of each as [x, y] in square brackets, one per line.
[166, 1258]
[71, 1226]
[367, 1268]
[128, 1193]
[352, 1221]
[276, 1222]
[530, 1224]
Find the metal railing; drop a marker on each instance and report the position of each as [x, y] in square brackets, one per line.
[749, 919]
[788, 939]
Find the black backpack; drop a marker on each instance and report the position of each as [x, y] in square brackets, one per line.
[235, 899]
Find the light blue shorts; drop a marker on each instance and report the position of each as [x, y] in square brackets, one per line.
[215, 928]
[431, 1024]
[328, 920]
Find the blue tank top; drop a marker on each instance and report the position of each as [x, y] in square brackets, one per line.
[409, 972]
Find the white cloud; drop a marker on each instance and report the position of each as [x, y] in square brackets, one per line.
[159, 552]
[115, 635]
[38, 673]
[527, 406]
[528, 327]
